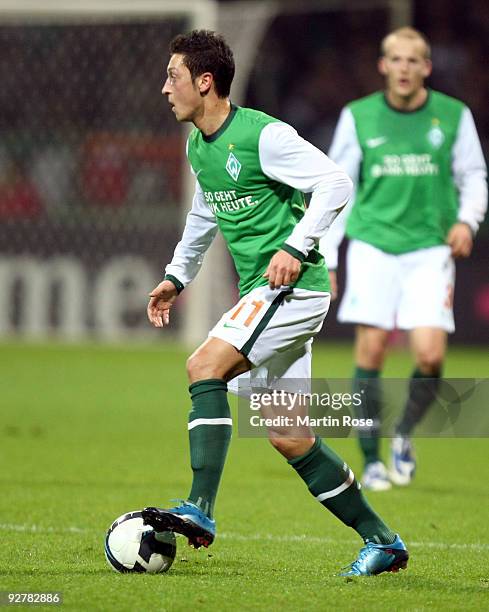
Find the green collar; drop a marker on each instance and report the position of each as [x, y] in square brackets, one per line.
[409, 112]
[224, 126]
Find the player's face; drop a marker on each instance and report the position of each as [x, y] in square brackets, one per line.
[405, 67]
[182, 93]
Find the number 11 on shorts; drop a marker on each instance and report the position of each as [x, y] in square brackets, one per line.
[251, 310]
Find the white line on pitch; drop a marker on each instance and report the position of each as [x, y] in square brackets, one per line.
[39, 529]
[255, 537]
[321, 540]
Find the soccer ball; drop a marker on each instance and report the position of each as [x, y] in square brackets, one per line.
[131, 546]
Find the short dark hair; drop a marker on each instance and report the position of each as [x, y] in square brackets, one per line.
[206, 51]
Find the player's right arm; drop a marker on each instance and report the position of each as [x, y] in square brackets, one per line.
[160, 301]
[200, 230]
[345, 150]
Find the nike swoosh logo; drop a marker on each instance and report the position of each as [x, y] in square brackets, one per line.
[373, 143]
[231, 326]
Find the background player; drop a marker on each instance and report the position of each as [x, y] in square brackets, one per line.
[421, 194]
[251, 170]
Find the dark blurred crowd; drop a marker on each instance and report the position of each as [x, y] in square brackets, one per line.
[334, 61]
[84, 125]
[82, 119]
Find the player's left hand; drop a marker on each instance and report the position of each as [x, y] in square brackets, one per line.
[283, 270]
[460, 240]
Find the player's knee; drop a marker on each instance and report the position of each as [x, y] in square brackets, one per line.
[290, 447]
[372, 355]
[430, 361]
[199, 367]
[370, 347]
[376, 358]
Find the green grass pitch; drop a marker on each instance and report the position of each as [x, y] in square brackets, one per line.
[89, 432]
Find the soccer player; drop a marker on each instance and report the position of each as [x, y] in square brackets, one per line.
[416, 160]
[250, 173]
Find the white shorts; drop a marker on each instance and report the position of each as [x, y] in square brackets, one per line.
[274, 329]
[404, 291]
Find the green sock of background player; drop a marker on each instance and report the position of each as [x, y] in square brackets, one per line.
[368, 384]
[423, 389]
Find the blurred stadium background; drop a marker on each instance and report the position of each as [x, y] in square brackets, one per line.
[94, 187]
[93, 180]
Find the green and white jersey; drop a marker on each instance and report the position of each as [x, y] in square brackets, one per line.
[416, 173]
[251, 175]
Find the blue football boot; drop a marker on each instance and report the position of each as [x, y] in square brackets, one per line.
[187, 519]
[377, 558]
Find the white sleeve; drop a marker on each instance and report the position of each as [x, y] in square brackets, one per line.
[346, 152]
[469, 172]
[287, 158]
[199, 232]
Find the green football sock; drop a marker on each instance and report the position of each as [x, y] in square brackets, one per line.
[367, 383]
[210, 426]
[334, 485]
[422, 392]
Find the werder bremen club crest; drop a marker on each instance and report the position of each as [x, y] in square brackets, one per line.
[233, 166]
[435, 135]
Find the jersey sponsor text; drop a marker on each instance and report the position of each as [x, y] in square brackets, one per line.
[226, 201]
[405, 165]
